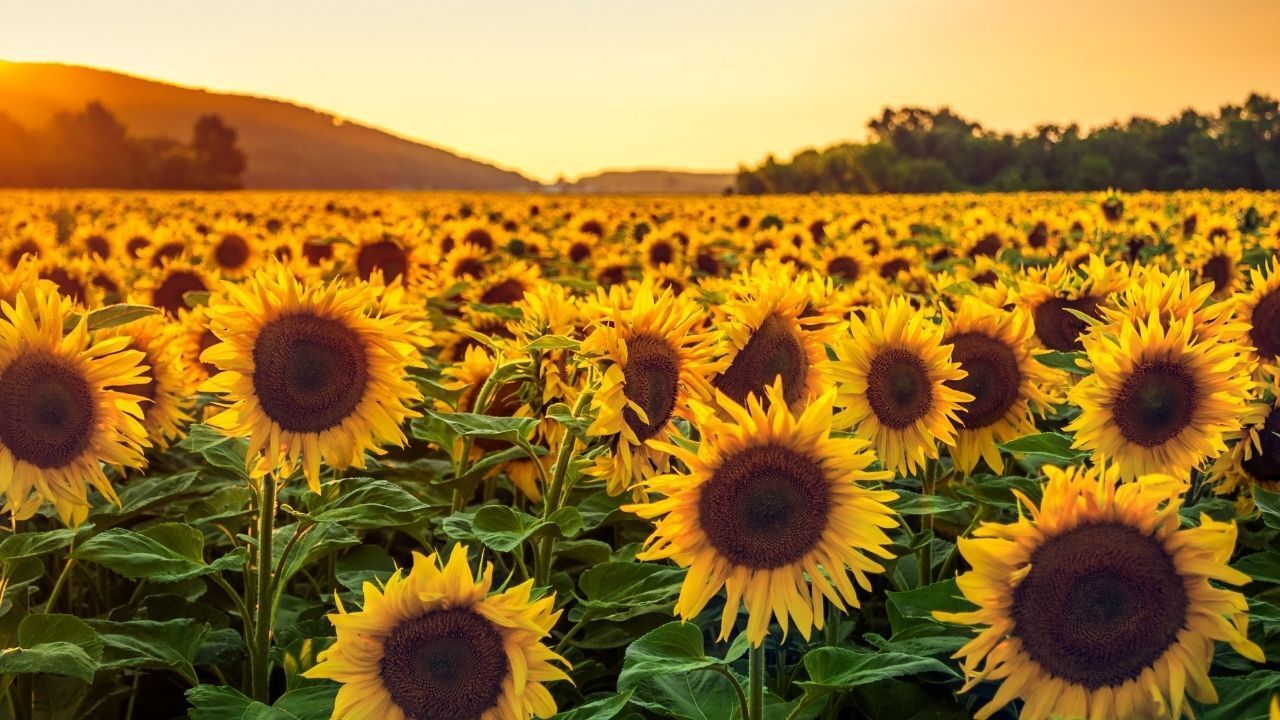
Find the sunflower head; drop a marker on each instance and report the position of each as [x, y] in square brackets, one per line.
[310, 373]
[439, 642]
[1099, 604]
[775, 511]
[896, 384]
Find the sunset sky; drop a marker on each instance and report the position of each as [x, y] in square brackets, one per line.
[575, 86]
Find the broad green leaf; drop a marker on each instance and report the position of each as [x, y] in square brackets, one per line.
[161, 553]
[603, 709]
[1268, 504]
[172, 644]
[833, 668]
[147, 492]
[619, 590]
[1262, 566]
[38, 630]
[314, 702]
[1048, 444]
[1066, 361]
[577, 426]
[365, 503]
[34, 544]
[54, 658]
[511, 429]
[112, 316]
[912, 503]
[913, 607]
[217, 449]
[321, 540]
[213, 702]
[673, 649]
[687, 696]
[503, 529]
[553, 342]
[1242, 697]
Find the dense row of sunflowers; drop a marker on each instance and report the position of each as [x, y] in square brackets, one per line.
[458, 457]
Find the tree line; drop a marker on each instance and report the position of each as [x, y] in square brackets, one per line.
[92, 148]
[914, 149]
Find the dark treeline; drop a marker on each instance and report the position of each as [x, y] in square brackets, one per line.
[918, 150]
[93, 149]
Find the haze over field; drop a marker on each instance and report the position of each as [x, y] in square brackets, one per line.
[571, 87]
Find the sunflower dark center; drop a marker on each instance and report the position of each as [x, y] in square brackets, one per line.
[384, 255]
[1101, 603]
[135, 246]
[68, 285]
[1264, 464]
[480, 238]
[1217, 270]
[592, 227]
[843, 267]
[168, 251]
[316, 253]
[1113, 209]
[170, 294]
[1155, 403]
[898, 388]
[49, 410]
[27, 247]
[232, 253]
[469, 267]
[661, 253]
[504, 293]
[1058, 329]
[774, 350]
[98, 245]
[707, 263]
[1039, 235]
[765, 507]
[579, 251]
[993, 378]
[309, 372]
[613, 275]
[445, 665]
[890, 269]
[652, 378]
[989, 245]
[1264, 328]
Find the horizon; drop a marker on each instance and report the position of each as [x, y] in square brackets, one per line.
[1189, 57]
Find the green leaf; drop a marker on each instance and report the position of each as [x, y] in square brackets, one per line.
[673, 649]
[172, 644]
[55, 658]
[687, 696]
[211, 702]
[111, 316]
[1066, 361]
[1049, 444]
[169, 552]
[503, 529]
[147, 492]
[620, 590]
[1268, 503]
[577, 426]
[20, 546]
[38, 630]
[365, 503]
[603, 709]
[321, 540]
[1262, 566]
[1242, 697]
[911, 503]
[553, 342]
[511, 429]
[909, 608]
[217, 449]
[314, 702]
[834, 668]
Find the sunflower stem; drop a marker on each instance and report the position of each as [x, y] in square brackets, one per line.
[261, 658]
[755, 688]
[544, 552]
[58, 585]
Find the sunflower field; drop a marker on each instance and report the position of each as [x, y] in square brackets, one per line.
[293, 456]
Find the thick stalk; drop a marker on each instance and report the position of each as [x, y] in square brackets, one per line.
[555, 495]
[755, 686]
[261, 658]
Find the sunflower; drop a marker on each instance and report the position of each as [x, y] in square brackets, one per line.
[846, 261]
[1159, 399]
[1100, 605]
[64, 416]
[23, 279]
[386, 256]
[309, 373]
[233, 252]
[168, 393]
[168, 287]
[1057, 295]
[438, 642]
[774, 510]
[1253, 459]
[73, 278]
[506, 285]
[767, 332]
[994, 349]
[651, 363]
[1259, 310]
[1215, 261]
[895, 382]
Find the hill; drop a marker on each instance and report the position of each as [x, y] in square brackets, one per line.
[289, 146]
[652, 181]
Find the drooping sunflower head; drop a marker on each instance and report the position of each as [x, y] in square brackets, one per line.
[773, 510]
[1160, 398]
[69, 408]
[1099, 604]
[168, 394]
[895, 384]
[994, 349]
[439, 642]
[768, 330]
[653, 362]
[310, 373]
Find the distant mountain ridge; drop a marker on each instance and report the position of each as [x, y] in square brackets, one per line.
[289, 146]
[652, 181]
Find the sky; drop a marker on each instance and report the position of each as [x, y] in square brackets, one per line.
[571, 87]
